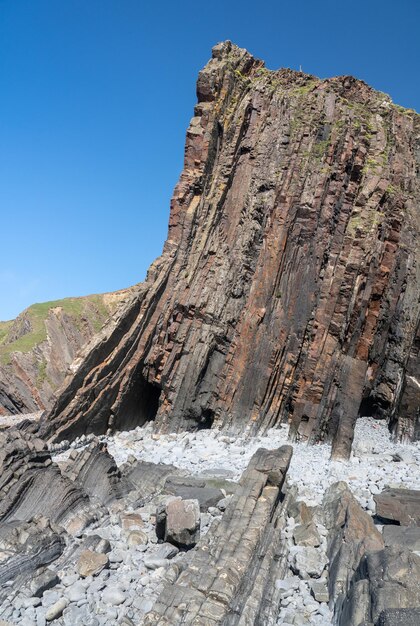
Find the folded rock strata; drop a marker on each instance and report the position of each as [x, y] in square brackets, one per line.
[30, 484]
[288, 288]
[231, 577]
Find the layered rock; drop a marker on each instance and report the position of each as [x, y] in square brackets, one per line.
[231, 578]
[38, 347]
[288, 288]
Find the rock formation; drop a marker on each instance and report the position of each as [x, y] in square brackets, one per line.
[288, 287]
[37, 348]
[231, 578]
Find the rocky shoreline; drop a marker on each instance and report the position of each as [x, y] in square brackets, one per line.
[82, 541]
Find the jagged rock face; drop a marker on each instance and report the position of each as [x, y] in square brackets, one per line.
[288, 285]
[37, 348]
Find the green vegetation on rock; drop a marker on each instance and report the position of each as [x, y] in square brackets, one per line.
[88, 309]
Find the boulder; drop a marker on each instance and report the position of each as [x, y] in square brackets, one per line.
[306, 535]
[401, 506]
[182, 523]
[309, 562]
[46, 580]
[91, 563]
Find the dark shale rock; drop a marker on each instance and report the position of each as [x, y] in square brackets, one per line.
[96, 472]
[148, 478]
[288, 286]
[30, 546]
[401, 506]
[231, 576]
[30, 484]
[42, 582]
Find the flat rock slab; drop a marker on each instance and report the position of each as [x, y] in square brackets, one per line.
[91, 563]
[404, 536]
[399, 505]
[206, 496]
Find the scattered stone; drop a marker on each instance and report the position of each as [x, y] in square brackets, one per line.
[76, 592]
[113, 596]
[46, 580]
[91, 563]
[306, 535]
[182, 523]
[56, 609]
[131, 521]
[309, 562]
[319, 589]
[137, 538]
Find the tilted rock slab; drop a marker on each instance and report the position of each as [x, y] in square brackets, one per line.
[288, 287]
[231, 577]
[351, 535]
[386, 579]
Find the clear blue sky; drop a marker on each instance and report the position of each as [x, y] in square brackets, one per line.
[95, 99]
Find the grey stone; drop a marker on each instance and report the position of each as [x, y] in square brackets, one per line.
[309, 562]
[165, 551]
[76, 592]
[399, 505]
[399, 617]
[113, 596]
[182, 523]
[306, 535]
[319, 589]
[46, 580]
[56, 609]
[404, 536]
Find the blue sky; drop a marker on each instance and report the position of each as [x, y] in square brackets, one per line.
[95, 99]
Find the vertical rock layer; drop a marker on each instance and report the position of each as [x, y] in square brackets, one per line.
[288, 287]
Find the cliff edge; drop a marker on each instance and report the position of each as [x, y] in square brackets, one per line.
[288, 288]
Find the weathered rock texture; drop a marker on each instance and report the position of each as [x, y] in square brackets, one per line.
[288, 287]
[37, 348]
[231, 578]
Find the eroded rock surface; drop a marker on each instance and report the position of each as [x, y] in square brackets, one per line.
[288, 285]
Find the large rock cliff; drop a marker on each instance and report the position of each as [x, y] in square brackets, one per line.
[288, 288]
[37, 348]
